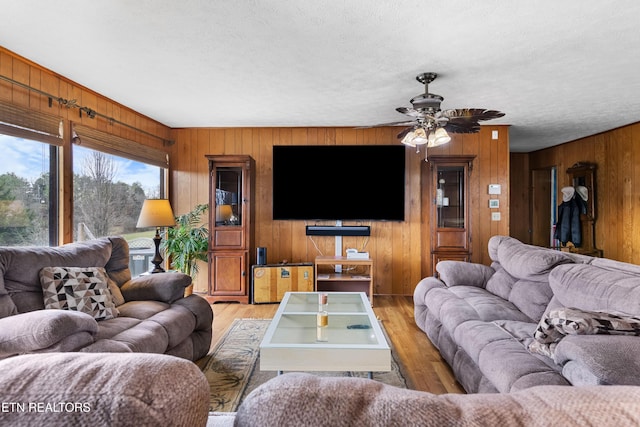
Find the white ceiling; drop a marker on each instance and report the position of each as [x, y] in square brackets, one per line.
[559, 70]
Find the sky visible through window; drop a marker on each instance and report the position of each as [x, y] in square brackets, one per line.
[29, 159]
[128, 171]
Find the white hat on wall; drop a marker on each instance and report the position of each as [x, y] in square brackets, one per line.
[567, 193]
[583, 192]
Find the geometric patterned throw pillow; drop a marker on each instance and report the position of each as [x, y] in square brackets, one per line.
[82, 289]
[558, 323]
[572, 321]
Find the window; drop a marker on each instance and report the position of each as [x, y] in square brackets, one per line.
[112, 176]
[29, 142]
[111, 179]
[108, 192]
[28, 190]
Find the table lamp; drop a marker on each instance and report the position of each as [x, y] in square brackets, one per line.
[156, 213]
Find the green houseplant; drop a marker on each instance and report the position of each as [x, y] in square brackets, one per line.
[187, 242]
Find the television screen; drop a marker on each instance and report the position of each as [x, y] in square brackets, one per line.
[338, 182]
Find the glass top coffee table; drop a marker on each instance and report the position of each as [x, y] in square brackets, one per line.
[354, 338]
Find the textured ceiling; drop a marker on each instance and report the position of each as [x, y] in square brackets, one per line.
[560, 70]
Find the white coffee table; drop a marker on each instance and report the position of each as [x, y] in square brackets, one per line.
[355, 339]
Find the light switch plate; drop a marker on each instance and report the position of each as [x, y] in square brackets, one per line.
[495, 189]
[495, 216]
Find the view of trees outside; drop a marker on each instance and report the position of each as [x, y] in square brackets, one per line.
[108, 193]
[24, 192]
[104, 204]
[24, 210]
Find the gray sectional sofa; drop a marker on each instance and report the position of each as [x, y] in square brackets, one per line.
[535, 317]
[517, 334]
[296, 399]
[102, 389]
[147, 314]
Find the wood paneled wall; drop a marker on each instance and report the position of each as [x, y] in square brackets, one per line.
[520, 217]
[617, 155]
[401, 250]
[28, 73]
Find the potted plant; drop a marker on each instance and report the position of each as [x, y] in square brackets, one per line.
[187, 242]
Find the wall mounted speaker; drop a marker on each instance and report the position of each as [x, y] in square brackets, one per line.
[338, 230]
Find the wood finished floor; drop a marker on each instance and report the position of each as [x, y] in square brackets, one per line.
[422, 365]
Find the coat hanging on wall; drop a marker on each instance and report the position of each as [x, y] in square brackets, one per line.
[569, 226]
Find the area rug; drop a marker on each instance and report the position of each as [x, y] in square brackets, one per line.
[233, 367]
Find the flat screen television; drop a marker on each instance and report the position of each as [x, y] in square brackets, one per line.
[338, 182]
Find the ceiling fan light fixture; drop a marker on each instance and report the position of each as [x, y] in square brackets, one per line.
[408, 139]
[432, 139]
[420, 137]
[440, 137]
[428, 121]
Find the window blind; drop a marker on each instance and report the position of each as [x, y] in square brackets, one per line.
[116, 145]
[31, 124]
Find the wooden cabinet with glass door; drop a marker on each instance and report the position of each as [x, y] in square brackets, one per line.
[231, 228]
[449, 215]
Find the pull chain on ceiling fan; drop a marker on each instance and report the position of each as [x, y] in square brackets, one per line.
[429, 124]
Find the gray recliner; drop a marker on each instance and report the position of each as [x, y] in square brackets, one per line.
[154, 316]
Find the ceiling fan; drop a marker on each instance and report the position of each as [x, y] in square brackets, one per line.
[429, 124]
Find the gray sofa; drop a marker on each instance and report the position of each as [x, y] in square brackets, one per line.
[153, 389]
[102, 389]
[512, 325]
[147, 314]
[308, 400]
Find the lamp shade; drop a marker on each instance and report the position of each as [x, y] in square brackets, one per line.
[156, 213]
[223, 213]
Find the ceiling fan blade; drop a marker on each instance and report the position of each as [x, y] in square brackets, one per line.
[410, 111]
[465, 120]
[462, 126]
[473, 114]
[405, 132]
[416, 112]
[404, 123]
